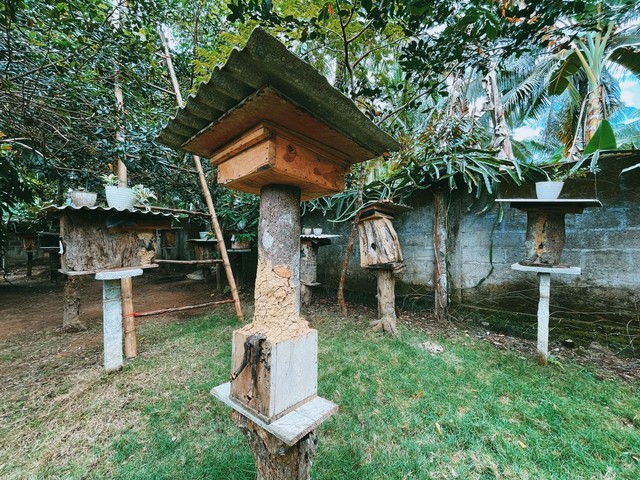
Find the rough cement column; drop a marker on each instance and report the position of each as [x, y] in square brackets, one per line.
[277, 293]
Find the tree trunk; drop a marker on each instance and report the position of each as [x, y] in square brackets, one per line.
[274, 459]
[501, 138]
[594, 114]
[352, 238]
[71, 313]
[440, 251]
[386, 303]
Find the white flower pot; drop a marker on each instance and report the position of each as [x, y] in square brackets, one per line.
[317, 231]
[83, 199]
[119, 197]
[307, 231]
[548, 190]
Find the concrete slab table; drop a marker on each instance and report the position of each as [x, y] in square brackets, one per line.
[112, 314]
[544, 278]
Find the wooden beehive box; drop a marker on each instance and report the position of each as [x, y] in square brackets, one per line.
[269, 154]
[379, 244]
[96, 239]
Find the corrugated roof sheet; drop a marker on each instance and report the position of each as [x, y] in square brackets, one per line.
[137, 211]
[264, 61]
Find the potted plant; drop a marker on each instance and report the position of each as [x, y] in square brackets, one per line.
[317, 230]
[80, 198]
[306, 230]
[118, 197]
[241, 241]
[143, 195]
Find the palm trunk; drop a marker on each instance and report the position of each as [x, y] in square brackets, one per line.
[594, 113]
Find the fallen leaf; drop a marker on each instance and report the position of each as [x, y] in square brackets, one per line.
[418, 394]
[522, 445]
[438, 428]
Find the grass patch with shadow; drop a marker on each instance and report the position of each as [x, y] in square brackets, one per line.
[471, 412]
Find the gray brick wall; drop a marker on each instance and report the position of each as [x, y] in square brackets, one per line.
[604, 242]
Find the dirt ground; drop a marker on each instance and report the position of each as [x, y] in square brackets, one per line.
[31, 311]
[34, 304]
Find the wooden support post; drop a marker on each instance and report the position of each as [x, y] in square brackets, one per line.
[543, 317]
[71, 309]
[386, 303]
[112, 324]
[29, 263]
[274, 459]
[128, 320]
[440, 252]
[205, 188]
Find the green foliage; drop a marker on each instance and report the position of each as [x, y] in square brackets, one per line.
[603, 139]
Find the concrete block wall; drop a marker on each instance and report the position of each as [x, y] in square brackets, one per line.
[604, 242]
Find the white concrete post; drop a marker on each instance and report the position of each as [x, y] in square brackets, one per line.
[543, 317]
[112, 314]
[112, 324]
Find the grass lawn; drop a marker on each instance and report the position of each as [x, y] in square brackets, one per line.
[471, 412]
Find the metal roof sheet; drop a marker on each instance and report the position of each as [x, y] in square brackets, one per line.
[264, 61]
[97, 208]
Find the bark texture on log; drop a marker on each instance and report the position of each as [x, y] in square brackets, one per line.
[274, 459]
[91, 246]
[128, 320]
[274, 359]
[441, 252]
[71, 309]
[545, 237]
[379, 244]
[386, 303]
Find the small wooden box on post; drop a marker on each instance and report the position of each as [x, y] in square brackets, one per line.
[275, 127]
[380, 250]
[113, 244]
[544, 242]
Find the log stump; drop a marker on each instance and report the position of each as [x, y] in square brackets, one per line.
[71, 305]
[386, 303]
[545, 237]
[274, 459]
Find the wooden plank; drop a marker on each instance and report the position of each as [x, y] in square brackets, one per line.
[258, 158]
[244, 142]
[301, 163]
[291, 427]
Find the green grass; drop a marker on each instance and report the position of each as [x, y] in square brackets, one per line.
[472, 412]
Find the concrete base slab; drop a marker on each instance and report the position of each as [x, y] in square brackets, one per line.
[556, 270]
[291, 427]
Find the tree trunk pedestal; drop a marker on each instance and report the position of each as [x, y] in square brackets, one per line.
[112, 314]
[544, 278]
[274, 364]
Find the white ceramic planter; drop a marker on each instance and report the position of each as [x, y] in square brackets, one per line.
[548, 190]
[317, 231]
[120, 198]
[83, 199]
[307, 231]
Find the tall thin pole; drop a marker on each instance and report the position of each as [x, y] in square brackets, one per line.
[205, 188]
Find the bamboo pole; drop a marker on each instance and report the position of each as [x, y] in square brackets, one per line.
[205, 188]
[178, 309]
